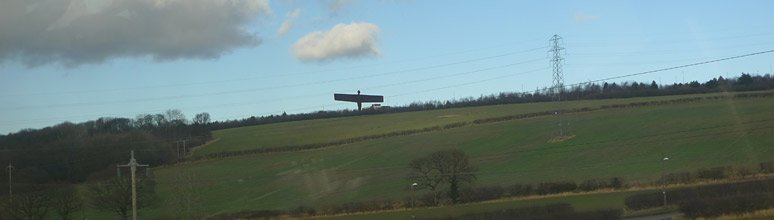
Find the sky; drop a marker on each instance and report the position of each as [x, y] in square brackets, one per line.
[78, 60]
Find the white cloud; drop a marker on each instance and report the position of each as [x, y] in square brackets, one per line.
[76, 32]
[290, 20]
[352, 40]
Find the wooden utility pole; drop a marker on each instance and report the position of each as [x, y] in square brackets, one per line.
[413, 186]
[10, 188]
[133, 167]
[663, 178]
[184, 148]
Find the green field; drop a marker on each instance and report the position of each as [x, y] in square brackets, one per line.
[626, 143]
[326, 130]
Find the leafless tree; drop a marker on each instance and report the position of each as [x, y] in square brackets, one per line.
[202, 118]
[31, 204]
[115, 195]
[66, 201]
[175, 116]
[442, 167]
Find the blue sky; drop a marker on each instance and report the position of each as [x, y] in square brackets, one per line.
[77, 68]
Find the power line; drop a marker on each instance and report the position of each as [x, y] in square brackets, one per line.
[328, 93]
[661, 70]
[643, 62]
[281, 86]
[608, 43]
[298, 85]
[413, 59]
[456, 74]
[668, 51]
[539, 90]
[590, 81]
[470, 83]
[723, 38]
[684, 66]
[673, 33]
[254, 102]
[277, 75]
[623, 76]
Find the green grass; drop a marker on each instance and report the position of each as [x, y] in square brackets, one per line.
[626, 143]
[326, 130]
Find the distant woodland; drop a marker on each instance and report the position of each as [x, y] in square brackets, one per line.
[71, 153]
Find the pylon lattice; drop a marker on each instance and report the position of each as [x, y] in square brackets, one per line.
[556, 63]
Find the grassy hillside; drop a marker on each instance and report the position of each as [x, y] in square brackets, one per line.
[626, 143]
[326, 130]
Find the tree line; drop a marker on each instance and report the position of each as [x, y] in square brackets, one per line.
[72, 153]
[48, 162]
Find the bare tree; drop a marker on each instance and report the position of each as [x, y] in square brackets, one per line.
[115, 195]
[442, 167]
[66, 201]
[175, 116]
[31, 204]
[427, 176]
[144, 121]
[30, 195]
[459, 170]
[202, 118]
[160, 120]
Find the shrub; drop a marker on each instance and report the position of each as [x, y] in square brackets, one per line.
[362, 206]
[744, 172]
[520, 190]
[715, 207]
[684, 177]
[428, 199]
[767, 167]
[644, 201]
[302, 211]
[591, 185]
[547, 212]
[556, 187]
[482, 194]
[655, 199]
[616, 182]
[713, 173]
